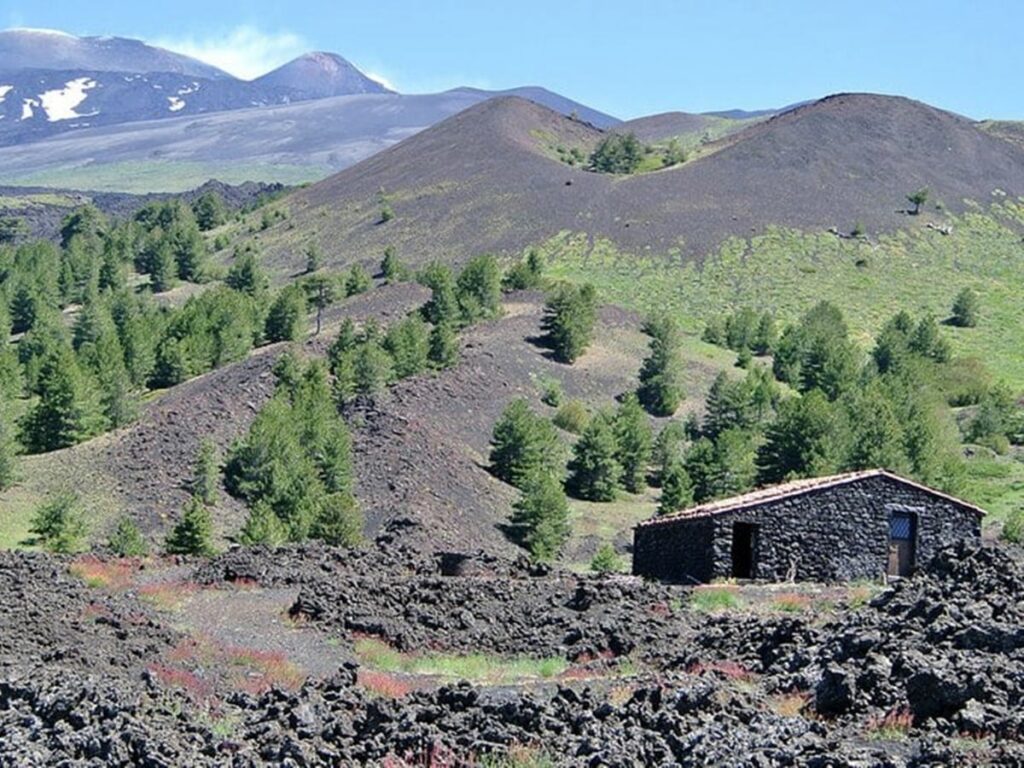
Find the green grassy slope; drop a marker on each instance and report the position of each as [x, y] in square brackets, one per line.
[786, 272]
[168, 176]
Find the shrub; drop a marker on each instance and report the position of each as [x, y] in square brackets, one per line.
[526, 274]
[59, 525]
[127, 540]
[1013, 528]
[550, 391]
[572, 416]
[606, 560]
[917, 199]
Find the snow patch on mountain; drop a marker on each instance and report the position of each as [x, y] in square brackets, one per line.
[175, 104]
[60, 104]
[26, 108]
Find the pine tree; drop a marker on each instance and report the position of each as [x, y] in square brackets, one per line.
[594, 471]
[669, 447]
[803, 441]
[661, 388]
[206, 473]
[112, 271]
[522, 444]
[263, 527]
[479, 289]
[634, 439]
[320, 292]
[163, 270]
[373, 368]
[287, 316]
[443, 305]
[543, 513]
[408, 343]
[391, 269]
[966, 309]
[314, 258]
[127, 540]
[343, 345]
[58, 524]
[444, 345]
[569, 317]
[877, 438]
[766, 335]
[676, 488]
[67, 411]
[193, 534]
[190, 252]
[728, 405]
[25, 308]
[339, 521]
[246, 275]
[210, 211]
[357, 281]
[8, 450]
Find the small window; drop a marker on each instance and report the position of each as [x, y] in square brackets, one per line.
[901, 526]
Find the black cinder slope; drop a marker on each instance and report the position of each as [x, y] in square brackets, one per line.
[485, 180]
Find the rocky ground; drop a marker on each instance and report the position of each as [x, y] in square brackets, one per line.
[113, 663]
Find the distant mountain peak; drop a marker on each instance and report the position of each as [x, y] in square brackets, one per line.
[37, 31]
[320, 74]
[28, 48]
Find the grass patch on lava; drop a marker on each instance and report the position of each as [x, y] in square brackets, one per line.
[715, 598]
[199, 665]
[474, 667]
[168, 596]
[106, 574]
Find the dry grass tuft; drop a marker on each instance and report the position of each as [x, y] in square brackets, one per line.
[114, 574]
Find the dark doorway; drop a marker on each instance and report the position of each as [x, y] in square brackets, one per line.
[744, 537]
[902, 535]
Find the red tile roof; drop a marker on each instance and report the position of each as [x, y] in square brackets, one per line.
[795, 488]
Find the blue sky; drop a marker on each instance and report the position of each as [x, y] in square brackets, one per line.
[627, 58]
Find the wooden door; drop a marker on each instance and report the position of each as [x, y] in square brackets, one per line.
[902, 536]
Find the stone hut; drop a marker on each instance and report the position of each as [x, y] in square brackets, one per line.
[859, 525]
